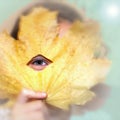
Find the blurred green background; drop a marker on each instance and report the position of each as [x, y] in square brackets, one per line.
[107, 13]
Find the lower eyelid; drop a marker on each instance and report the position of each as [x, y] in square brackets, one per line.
[37, 68]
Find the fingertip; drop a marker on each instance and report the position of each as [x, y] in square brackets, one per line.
[32, 94]
[43, 94]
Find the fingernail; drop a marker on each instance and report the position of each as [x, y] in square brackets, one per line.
[28, 92]
[43, 94]
[25, 91]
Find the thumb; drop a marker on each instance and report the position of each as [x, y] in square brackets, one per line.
[26, 95]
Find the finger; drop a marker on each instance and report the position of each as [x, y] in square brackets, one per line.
[29, 107]
[26, 95]
[36, 105]
[37, 116]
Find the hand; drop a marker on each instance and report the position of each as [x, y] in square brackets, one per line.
[29, 106]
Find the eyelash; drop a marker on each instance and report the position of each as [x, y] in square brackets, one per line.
[39, 62]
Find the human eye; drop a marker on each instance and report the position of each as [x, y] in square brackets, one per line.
[39, 62]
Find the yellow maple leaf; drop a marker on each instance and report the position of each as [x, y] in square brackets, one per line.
[73, 67]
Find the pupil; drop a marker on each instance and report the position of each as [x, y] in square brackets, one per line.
[39, 62]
